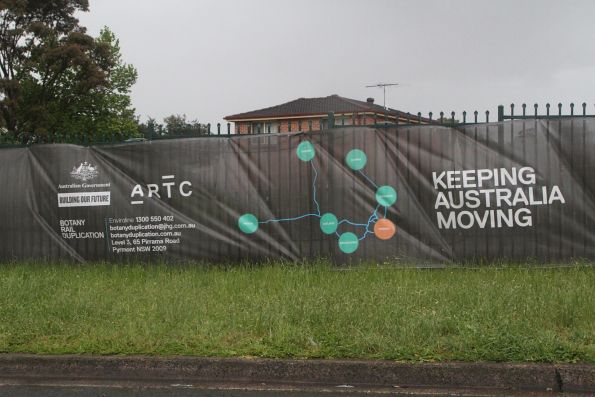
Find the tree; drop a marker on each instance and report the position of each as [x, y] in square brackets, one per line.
[151, 129]
[176, 125]
[54, 78]
[103, 112]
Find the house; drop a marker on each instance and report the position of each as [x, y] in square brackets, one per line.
[311, 114]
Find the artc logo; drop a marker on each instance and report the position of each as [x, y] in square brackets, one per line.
[165, 190]
[84, 172]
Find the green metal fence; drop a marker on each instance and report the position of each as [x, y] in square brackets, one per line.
[330, 121]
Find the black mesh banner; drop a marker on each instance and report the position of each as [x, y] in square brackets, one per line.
[515, 190]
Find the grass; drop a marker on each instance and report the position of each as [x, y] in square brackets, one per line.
[512, 314]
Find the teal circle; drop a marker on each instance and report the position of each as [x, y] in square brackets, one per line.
[356, 159]
[248, 223]
[386, 195]
[348, 243]
[328, 223]
[305, 151]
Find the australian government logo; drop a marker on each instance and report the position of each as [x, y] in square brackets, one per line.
[84, 172]
[84, 190]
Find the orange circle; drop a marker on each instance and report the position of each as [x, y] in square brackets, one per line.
[384, 229]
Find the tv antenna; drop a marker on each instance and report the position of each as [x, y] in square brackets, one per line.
[383, 86]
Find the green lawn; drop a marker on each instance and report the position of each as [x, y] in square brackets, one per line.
[517, 314]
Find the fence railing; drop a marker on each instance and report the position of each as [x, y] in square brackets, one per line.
[524, 115]
[330, 121]
[475, 117]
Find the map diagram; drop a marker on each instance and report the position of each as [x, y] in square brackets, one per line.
[377, 224]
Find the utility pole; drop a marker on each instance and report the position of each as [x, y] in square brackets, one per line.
[383, 86]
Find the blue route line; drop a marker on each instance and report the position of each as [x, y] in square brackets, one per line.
[371, 220]
[289, 219]
[314, 186]
[317, 214]
[368, 179]
[352, 223]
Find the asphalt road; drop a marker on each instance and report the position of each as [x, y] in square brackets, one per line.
[187, 391]
[103, 391]
[107, 376]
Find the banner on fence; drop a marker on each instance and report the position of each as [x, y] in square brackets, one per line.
[435, 194]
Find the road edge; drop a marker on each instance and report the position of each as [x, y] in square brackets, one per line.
[556, 378]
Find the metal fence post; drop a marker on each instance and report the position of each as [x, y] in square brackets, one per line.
[331, 120]
[500, 112]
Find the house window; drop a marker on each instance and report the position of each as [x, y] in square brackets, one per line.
[256, 128]
[343, 120]
[267, 127]
[274, 127]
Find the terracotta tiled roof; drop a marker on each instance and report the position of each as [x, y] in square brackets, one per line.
[316, 106]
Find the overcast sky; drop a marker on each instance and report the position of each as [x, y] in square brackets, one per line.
[212, 58]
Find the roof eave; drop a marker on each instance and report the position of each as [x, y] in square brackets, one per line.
[240, 117]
